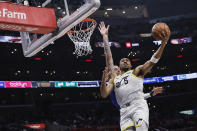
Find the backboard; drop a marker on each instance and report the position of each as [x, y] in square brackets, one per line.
[68, 13]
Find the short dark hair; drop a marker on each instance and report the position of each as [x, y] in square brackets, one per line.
[124, 58]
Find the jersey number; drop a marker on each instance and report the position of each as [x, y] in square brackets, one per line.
[125, 82]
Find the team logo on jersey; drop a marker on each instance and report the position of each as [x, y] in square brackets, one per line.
[118, 84]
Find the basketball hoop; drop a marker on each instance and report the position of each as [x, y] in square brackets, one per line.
[80, 35]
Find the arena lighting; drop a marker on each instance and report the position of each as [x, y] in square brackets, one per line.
[112, 44]
[46, 71]
[36, 126]
[187, 112]
[88, 60]
[109, 9]
[128, 44]
[134, 60]
[145, 35]
[135, 44]
[135, 7]
[181, 40]
[180, 56]
[38, 59]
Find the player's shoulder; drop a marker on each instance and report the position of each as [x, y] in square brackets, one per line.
[139, 67]
[138, 72]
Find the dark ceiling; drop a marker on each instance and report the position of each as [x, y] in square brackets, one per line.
[131, 8]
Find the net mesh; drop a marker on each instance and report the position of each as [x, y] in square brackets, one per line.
[80, 35]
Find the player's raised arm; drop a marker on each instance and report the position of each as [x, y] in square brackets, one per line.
[107, 51]
[142, 70]
[105, 90]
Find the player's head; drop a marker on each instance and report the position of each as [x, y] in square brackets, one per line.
[125, 64]
[116, 70]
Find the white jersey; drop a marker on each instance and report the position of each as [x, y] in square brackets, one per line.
[128, 87]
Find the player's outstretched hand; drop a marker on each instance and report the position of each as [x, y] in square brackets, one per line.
[157, 90]
[165, 35]
[106, 75]
[103, 29]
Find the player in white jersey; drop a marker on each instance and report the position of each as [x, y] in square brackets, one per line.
[128, 86]
[106, 77]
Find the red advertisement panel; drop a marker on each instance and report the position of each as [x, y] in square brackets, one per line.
[18, 84]
[36, 126]
[26, 18]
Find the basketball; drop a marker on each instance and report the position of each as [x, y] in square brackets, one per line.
[159, 29]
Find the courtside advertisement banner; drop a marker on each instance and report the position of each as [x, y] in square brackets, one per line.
[2, 84]
[88, 84]
[18, 84]
[42, 84]
[40, 126]
[59, 84]
[181, 40]
[22, 18]
[79, 84]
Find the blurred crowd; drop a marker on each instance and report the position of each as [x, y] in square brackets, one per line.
[102, 116]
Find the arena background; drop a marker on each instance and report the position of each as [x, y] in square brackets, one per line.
[55, 102]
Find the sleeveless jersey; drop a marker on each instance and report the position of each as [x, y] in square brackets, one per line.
[128, 87]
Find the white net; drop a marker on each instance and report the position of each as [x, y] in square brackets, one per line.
[80, 35]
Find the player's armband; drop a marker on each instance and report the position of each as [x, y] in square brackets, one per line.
[154, 60]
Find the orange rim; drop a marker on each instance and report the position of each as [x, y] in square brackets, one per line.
[84, 20]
